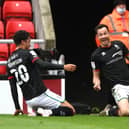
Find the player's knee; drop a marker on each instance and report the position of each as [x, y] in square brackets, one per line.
[124, 112]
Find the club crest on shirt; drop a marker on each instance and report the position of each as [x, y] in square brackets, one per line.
[103, 53]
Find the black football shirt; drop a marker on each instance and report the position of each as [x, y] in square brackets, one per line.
[23, 71]
[111, 62]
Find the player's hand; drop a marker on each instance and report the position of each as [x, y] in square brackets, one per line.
[70, 67]
[18, 112]
[97, 84]
[97, 87]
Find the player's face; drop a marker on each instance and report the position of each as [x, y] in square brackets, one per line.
[103, 36]
[27, 43]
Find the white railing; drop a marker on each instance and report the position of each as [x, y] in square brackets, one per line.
[9, 41]
[32, 41]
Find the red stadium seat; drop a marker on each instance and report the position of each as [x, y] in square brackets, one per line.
[17, 9]
[13, 26]
[1, 30]
[0, 12]
[3, 50]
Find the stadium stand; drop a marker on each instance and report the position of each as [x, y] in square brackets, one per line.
[0, 13]
[17, 10]
[14, 15]
[1, 30]
[13, 26]
[3, 49]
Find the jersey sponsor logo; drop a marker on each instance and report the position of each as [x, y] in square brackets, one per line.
[117, 53]
[114, 60]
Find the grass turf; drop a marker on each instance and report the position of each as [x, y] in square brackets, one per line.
[75, 122]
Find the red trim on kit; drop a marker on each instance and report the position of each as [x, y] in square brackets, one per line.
[35, 59]
[10, 77]
[127, 54]
[96, 70]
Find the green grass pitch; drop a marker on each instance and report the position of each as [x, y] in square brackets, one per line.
[75, 122]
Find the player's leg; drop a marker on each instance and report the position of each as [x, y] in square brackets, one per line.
[121, 110]
[120, 93]
[123, 107]
[53, 104]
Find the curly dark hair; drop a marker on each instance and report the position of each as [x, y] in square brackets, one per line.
[20, 35]
[99, 26]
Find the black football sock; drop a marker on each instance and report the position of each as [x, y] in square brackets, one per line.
[62, 111]
[113, 111]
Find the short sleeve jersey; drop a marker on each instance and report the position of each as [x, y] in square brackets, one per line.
[111, 62]
[25, 73]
